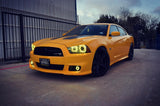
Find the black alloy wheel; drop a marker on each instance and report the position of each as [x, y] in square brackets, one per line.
[100, 62]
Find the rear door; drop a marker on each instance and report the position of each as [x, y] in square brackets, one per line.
[125, 42]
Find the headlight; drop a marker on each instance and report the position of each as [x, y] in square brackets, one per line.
[79, 49]
[33, 47]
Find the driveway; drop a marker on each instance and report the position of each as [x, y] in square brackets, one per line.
[127, 83]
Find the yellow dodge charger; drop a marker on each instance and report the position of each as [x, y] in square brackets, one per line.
[85, 49]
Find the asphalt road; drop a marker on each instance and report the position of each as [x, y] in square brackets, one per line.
[127, 83]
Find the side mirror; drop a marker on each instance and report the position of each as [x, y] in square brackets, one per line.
[63, 34]
[115, 33]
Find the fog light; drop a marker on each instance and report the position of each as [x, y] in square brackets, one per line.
[77, 68]
[74, 68]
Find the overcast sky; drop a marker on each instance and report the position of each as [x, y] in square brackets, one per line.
[90, 10]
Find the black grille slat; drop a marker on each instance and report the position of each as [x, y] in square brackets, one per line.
[51, 66]
[48, 51]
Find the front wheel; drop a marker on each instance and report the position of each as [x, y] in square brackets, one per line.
[100, 63]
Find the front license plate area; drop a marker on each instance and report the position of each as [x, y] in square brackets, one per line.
[44, 62]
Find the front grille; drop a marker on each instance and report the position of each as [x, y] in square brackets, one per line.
[51, 66]
[48, 51]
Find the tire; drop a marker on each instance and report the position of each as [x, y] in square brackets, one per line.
[131, 52]
[100, 63]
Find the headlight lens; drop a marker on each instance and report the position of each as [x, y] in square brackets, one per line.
[33, 46]
[79, 49]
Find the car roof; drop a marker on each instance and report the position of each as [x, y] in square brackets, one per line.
[102, 24]
[106, 24]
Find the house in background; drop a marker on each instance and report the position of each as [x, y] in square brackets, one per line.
[24, 21]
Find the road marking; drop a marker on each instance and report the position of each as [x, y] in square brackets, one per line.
[14, 67]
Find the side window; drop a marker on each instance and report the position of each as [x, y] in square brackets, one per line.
[122, 32]
[112, 29]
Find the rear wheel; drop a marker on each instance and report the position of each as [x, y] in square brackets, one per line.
[131, 53]
[100, 63]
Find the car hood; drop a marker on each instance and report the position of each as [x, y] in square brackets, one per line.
[68, 40]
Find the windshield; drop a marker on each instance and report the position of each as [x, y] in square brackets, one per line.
[89, 30]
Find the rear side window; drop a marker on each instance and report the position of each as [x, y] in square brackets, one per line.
[122, 32]
[112, 29]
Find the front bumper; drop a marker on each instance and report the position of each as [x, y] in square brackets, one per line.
[82, 60]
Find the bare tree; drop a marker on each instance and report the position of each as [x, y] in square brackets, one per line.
[151, 21]
[125, 13]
